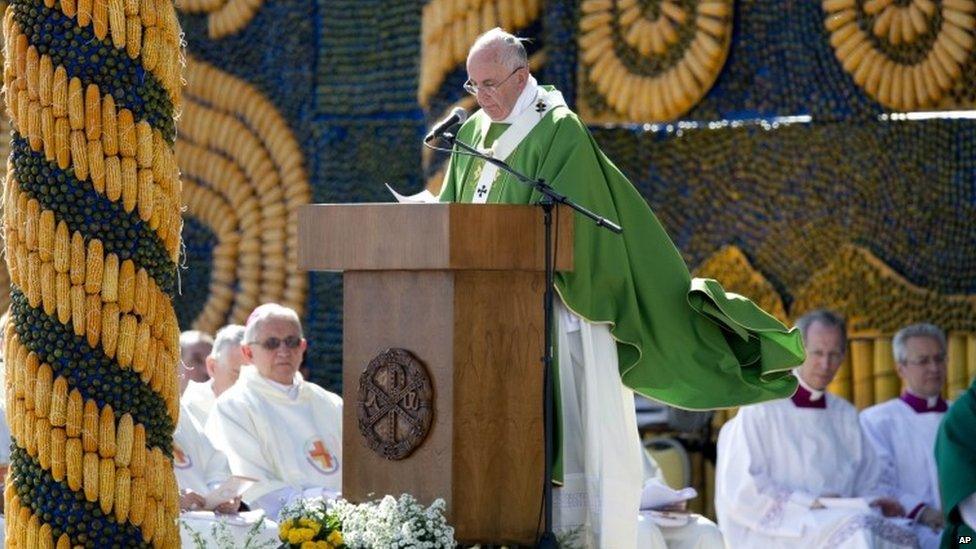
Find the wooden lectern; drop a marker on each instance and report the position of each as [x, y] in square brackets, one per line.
[459, 286]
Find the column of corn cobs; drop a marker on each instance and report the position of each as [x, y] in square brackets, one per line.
[92, 233]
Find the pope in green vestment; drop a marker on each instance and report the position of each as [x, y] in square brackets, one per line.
[682, 341]
[955, 456]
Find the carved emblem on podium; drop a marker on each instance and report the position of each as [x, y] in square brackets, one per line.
[396, 404]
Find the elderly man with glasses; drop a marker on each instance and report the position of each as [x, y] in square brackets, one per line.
[630, 317]
[273, 425]
[903, 430]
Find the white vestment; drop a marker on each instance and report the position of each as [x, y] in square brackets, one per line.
[291, 443]
[602, 471]
[776, 459]
[199, 399]
[904, 440]
[200, 467]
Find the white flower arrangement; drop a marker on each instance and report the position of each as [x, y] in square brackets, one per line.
[389, 523]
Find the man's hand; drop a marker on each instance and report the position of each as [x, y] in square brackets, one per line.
[931, 518]
[228, 507]
[889, 507]
[191, 501]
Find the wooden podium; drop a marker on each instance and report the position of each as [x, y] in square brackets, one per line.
[460, 287]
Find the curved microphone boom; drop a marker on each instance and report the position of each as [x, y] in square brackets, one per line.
[458, 116]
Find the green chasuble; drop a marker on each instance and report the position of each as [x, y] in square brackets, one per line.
[681, 341]
[955, 455]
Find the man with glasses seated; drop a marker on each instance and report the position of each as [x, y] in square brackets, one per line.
[273, 425]
[903, 430]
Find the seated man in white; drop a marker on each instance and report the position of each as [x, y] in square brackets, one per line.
[274, 426]
[194, 348]
[798, 472]
[200, 468]
[902, 430]
[223, 366]
[672, 530]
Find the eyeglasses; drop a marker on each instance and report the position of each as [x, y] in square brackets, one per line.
[272, 343]
[939, 359]
[473, 88]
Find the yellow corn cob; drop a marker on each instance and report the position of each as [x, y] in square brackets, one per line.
[31, 365]
[76, 105]
[84, 12]
[148, 520]
[62, 248]
[48, 290]
[127, 340]
[23, 520]
[90, 475]
[127, 133]
[110, 279]
[133, 36]
[100, 18]
[126, 285]
[89, 427]
[45, 75]
[140, 301]
[110, 136]
[123, 486]
[73, 461]
[139, 357]
[30, 227]
[62, 286]
[106, 484]
[110, 328]
[30, 432]
[74, 417]
[137, 500]
[64, 542]
[144, 144]
[44, 538]
[93, 112]
[153, 474]
[116, 22]
[59, 402]
[130, 183]
[106, 432]
[113, 177]
[78, 261]
[58, 449]
[34, 126]
[42, 438]
[33, 525]
[59, 92]
[146, 194]
[161, 523]
[93, 319]
[124, 437]
[47, 131]
[45, 235]
[78, 309]
[138, 460]
[31, 70]
[93, 272]
[150, 48]
[42, 391]
[96, 165]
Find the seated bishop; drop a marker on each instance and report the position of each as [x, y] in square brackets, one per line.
[903, 430]
[223, 365]
[799, 472]
[273, 425]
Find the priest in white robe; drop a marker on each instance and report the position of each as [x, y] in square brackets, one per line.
[799, 472]
[273, 425]
[194, 348]
[903, 430]
[223, 366]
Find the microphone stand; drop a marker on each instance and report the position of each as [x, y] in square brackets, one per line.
[549, 199]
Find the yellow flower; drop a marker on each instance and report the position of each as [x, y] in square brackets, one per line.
[299, 535]
[309, 545]
[335, 538]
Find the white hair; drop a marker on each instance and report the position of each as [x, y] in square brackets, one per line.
[509, 49]
[827, 318]
[922, 329]
[265, 312]
[231, 335]
[192, 337]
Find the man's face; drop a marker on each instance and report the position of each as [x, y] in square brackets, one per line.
[825, 353]
[924, 368]
[227, 369]
[194, 358]
[498, 87]
[281, 363]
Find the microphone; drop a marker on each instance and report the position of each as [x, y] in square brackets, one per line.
[458, 116]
